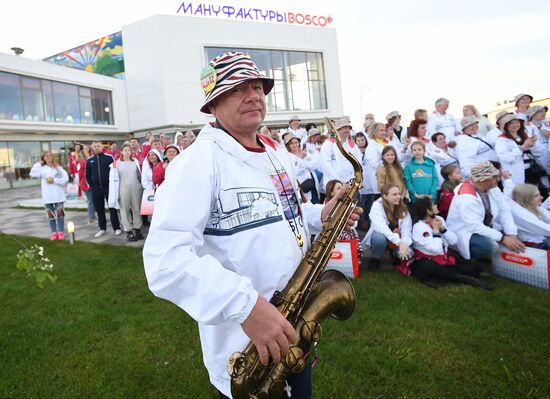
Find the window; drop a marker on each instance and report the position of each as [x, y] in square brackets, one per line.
[299, 77]
[22, 156]
[33, 105]
[6, 175]
[10, 97]
[31, 99]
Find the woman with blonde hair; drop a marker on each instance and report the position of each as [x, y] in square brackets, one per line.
[484, 125]
[532, 220]
[53, 180]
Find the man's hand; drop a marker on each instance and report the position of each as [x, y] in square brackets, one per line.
[269, 331]
[353, 217]
[513, 243]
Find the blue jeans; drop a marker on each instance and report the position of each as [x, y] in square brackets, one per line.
[481, 246]
[91, 209]
[300, 385]
[55, 212]
[379, 244]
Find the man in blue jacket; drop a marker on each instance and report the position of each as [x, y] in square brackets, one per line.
[97, 176]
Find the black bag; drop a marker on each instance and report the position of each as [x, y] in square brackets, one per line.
[534, 171]
[308, 185]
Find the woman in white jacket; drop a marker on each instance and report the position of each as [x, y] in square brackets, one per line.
[391, 227]
[372, 160]
[125, 192]
[53, 180]
[431, 240]
[304, 167]
[532, 220]
[513, 147]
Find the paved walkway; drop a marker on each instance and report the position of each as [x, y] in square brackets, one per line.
[33, 222]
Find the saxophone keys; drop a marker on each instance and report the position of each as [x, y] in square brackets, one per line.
[294, 359]
[311, 332]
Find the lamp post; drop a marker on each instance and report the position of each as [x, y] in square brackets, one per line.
[70, 229]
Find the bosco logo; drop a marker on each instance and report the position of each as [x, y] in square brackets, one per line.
[517, 259]
[336, 255]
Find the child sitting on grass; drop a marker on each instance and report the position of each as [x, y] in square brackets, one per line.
[453, 177]
[421, 174]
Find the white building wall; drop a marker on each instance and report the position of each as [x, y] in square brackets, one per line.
[164, 55]
[11, 129]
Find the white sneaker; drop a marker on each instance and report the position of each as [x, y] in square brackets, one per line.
[99, 233]
[118, 232]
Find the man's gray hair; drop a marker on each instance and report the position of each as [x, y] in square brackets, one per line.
[440, 101]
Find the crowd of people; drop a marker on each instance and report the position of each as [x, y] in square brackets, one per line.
[431, 163]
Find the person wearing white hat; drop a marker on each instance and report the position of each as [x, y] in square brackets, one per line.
[513, 147]
[242, 232]
[537, 128]
[294, 127]
[305, 168]
[441, 121]
[522, 102]
[334, 165]
[394, 120]
[470, 148]
[479, 215]
[492, 135]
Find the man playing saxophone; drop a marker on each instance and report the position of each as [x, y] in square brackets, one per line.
[229, 227]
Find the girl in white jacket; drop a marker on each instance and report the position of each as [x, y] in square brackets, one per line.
[390, 228]
[53, 180]
[532, 220]
[431, 239]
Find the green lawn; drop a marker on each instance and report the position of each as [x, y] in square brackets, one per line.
[98, 332]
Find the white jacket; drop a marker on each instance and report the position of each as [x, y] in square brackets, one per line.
[511, 157]
[425, 241]
[467, 212]
[470, 151]
[301, 133]
[379, 222]
[443, 123]
[530, 227]
[219, 238]
[114, 184]
[540, 150]
[372, 160]
[51, 193]
[335, 166]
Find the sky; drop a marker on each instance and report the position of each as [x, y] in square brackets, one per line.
[394, 54]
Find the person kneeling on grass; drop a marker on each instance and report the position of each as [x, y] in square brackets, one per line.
[479, 212]
[431, 239]
[390, 228]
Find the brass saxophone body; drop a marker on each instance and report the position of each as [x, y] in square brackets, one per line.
[311, 295]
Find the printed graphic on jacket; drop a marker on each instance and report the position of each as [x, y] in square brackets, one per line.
[242, 208]
[420, 173]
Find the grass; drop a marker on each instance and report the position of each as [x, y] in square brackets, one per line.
[99, 332]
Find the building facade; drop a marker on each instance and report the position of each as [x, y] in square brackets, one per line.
[146, 78]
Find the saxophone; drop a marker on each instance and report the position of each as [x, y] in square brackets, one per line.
[310, 295]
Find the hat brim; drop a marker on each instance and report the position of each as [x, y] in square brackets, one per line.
[268, 84]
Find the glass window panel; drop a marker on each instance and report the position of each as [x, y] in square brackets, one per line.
[30, 83]
[101, 105]
[6, 173]
[32, 105]
[86, 110]
[10, 97]
[299, 77]
[84, 92]
[65, 97]
[48, 100]
[23, 154]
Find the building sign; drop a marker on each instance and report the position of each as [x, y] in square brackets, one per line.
[104, 56]
[253, 14]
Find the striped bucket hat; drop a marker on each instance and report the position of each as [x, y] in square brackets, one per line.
[227, 71]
